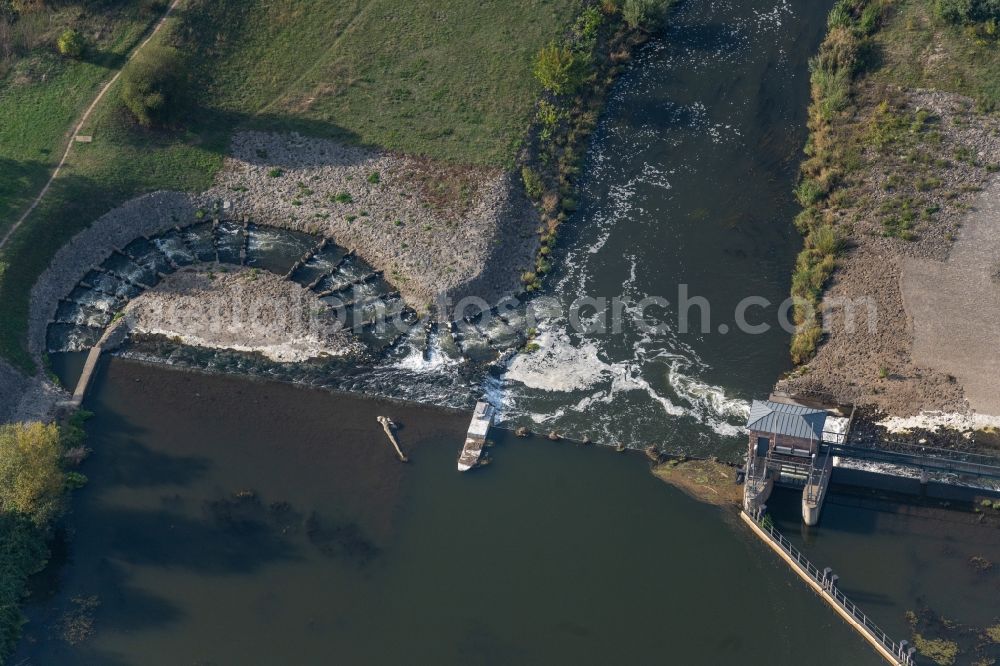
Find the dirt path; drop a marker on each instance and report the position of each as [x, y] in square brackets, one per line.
[83, 121]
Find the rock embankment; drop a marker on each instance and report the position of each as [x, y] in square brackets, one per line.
[433, 229]
[241, 309]
[142, 216]
[915, 199]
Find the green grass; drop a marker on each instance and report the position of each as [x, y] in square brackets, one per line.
[42, 95]
[449, 80]
[921, 51]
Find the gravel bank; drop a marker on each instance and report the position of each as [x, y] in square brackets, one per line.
[878, 368]
[240, 309]
[955, 306]
[433, 229]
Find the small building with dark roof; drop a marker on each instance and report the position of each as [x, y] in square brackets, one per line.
[785, 429]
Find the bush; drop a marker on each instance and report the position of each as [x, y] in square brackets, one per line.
[840, 16]
[968, 11]
[152, 85]
[871, 17]
[637, 13]
[559, 69]
[532, 182]
[831, 90]
[804, 343]
[824, 241]
[71, 44]
[808, 192]
[588, 23]
[953, 11]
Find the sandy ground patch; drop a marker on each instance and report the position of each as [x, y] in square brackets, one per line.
[955, 306]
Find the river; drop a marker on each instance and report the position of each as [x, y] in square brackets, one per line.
[233, 520]
[230, 521]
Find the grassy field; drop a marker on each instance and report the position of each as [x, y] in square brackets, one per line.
[41, 93]
[918, 50]
[449, 80]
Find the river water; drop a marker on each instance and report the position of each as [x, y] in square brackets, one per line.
[688, 186]
[686, 196]
[231, 520]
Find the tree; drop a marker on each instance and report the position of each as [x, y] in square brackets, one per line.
[71, 44]
[31, 477]
[152, 85]
[559, 69]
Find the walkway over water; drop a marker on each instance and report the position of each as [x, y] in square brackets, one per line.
[824, 583]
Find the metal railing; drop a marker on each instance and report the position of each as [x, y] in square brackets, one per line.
[828, 581]
[934, 460]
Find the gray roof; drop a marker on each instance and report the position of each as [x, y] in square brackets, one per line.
[791, 420]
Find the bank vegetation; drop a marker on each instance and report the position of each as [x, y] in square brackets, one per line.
[36, 472]
[902, 135]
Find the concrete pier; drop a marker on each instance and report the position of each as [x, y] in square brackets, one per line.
[112, 339]
[814, 491]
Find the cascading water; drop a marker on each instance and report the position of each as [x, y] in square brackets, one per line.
[687, 185]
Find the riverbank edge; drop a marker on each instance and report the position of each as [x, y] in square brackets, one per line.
[857, 221]
[556, 142]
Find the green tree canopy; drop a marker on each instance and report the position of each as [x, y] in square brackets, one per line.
[31, 477]
[153, 85]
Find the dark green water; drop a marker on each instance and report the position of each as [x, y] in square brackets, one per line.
[237, 522]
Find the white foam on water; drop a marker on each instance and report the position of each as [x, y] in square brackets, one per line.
[432, 359]
[710, 403]
[934, 421]
[558, 365]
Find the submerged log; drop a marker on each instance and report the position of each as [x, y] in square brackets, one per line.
[387, 425]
